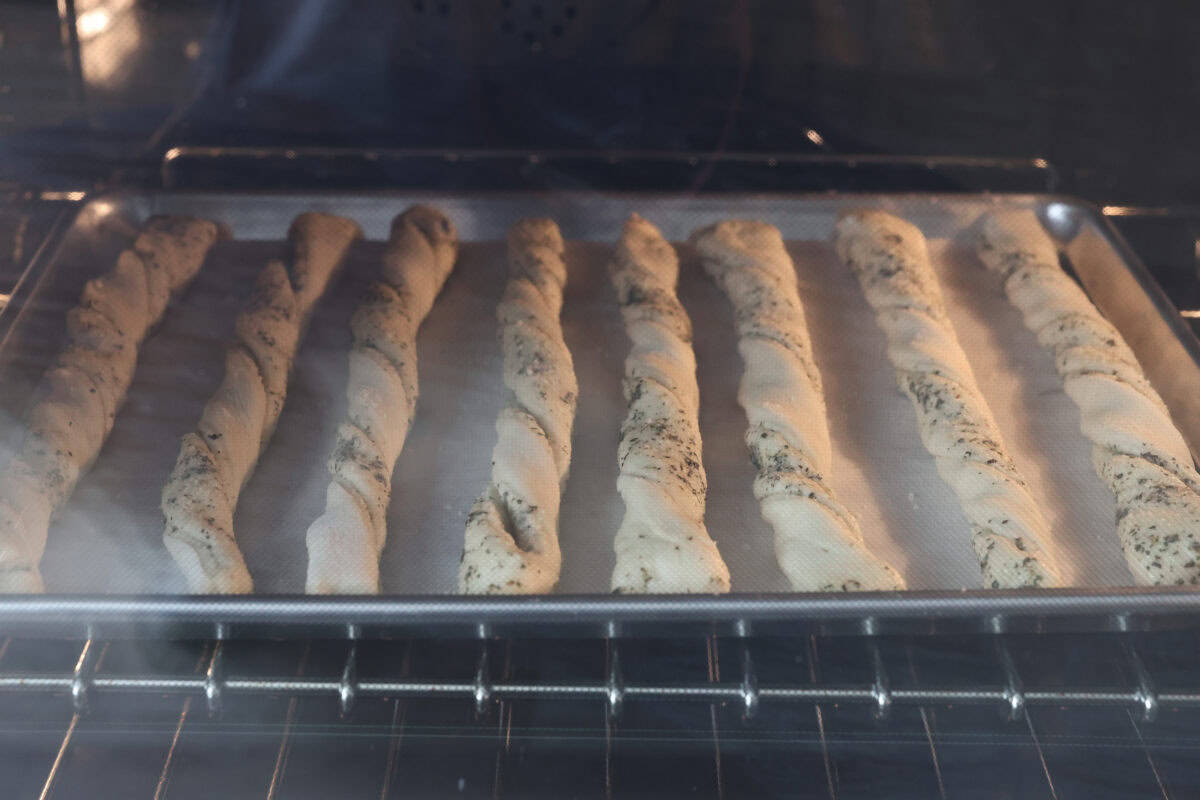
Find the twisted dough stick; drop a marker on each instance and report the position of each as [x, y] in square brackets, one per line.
[83, 391]
[345, 542]
[1137, 450]
[662, 544]
[511, 543]
[817, 539]
[889, 257]
[216, 460]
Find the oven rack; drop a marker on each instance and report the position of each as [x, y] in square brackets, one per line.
[504, 709]
[220, 685]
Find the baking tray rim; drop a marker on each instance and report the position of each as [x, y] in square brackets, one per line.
[1117, 604]
[437, 609]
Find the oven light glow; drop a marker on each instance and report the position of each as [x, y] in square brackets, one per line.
[93, 23]
[815, 137]
[53, 196]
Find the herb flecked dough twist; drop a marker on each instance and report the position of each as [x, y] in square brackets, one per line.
[82, 393]
[1137, 450]
[662, 545]
[818, 542]
[217, 459]
[346, 541]
[890, 258]
[511, 542]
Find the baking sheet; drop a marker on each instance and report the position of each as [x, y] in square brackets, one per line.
[107, 539]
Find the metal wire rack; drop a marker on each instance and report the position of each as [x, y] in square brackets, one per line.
[854, 708]
[216, 683]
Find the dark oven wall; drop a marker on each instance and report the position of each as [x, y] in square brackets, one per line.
[1105, 91]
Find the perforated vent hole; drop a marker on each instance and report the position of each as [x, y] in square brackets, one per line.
[535, 23]
[440, 8]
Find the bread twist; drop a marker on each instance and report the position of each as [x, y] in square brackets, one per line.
[1009, 534]
[662, 544]
[345, 542]
[817, 540]
[1137, 451]
[82, 392]
[511, 543]
[216, 460]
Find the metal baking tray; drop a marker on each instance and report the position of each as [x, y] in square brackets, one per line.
[105, 563]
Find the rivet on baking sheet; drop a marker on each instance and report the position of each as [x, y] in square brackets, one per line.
[534, 158]
[772, 162]
[289, 154]
[1061, 220]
